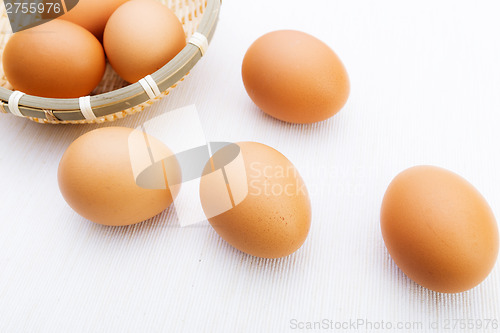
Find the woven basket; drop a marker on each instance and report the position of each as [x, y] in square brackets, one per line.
[114, 98]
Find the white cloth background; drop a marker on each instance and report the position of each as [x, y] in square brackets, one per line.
[425, 81]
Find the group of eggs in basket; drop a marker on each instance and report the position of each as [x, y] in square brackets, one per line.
[437, 227]
[66, 57]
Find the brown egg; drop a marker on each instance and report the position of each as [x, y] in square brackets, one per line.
[96, 177]
[141, 37]
[57, 59]
[438, 229]
[295, 77]
[93, 14]
[272, 220]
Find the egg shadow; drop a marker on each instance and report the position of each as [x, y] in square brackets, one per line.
[129, 231]
[331, 124]
[167, 219]
[271, 269]
[437, 303]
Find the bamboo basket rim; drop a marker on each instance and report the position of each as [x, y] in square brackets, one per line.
[132, 95]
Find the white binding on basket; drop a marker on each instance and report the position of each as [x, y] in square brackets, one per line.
[150, 87]
[200, 41]
[86, 108]
[14, 103]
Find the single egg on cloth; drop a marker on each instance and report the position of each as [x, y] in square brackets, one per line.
[273, 218]
[141, 37]
[93, 14]
[295, 77]
[439, 229]
[97, 180]
[57, 59]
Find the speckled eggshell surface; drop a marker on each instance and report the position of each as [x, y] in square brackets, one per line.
[295, 77]
[274, 218]
[96, 178]
[439, 229]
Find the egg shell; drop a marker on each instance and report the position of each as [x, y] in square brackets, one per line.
[93, 14]
[141, 37]
[295, 77]
[96, 178]
[57, 59]
[439, 229]
[273, 220]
